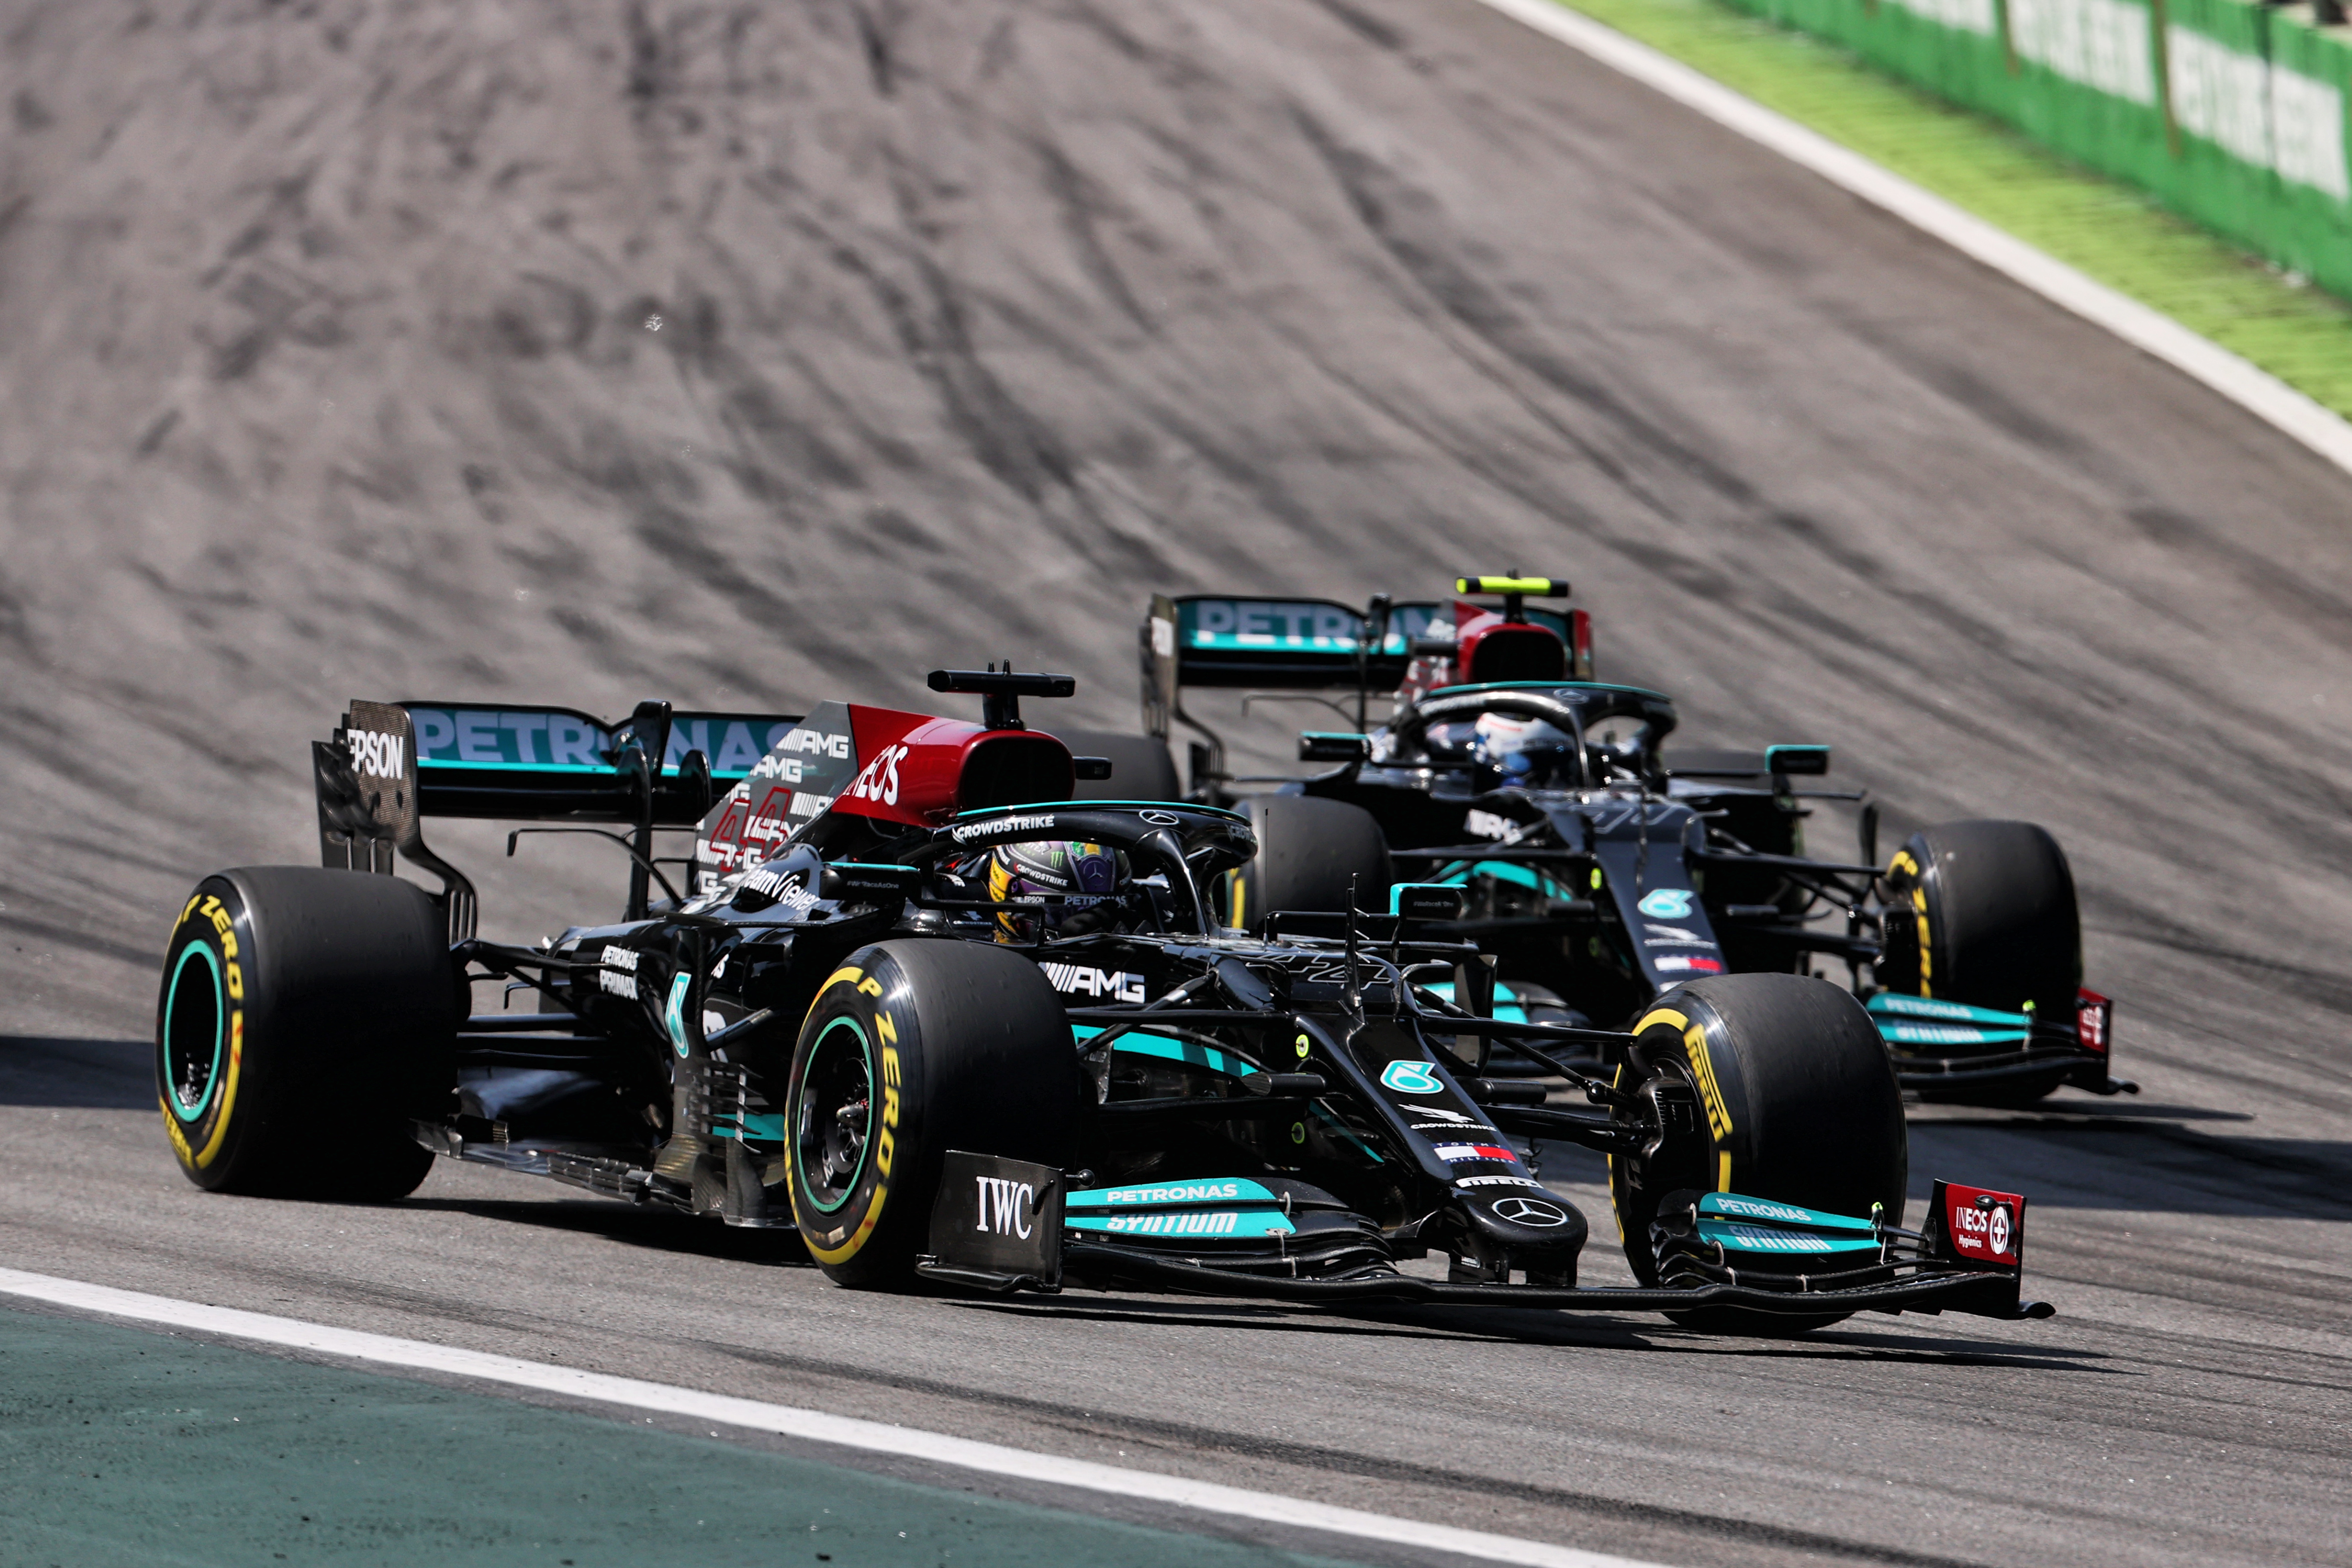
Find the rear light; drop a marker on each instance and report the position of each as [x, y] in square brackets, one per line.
[1579, 644]
[2095, 1021]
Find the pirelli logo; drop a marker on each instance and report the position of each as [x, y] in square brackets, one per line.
[1719, 1120]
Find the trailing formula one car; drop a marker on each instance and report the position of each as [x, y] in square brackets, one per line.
[953, 1026]
[1601, 870]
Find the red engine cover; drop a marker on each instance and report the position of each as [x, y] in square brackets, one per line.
[920, 771]
[1488, 649]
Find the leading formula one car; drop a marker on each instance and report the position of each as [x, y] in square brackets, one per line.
[952, 1026]
[1601, 869]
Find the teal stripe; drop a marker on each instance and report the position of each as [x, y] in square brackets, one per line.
[1948, 1035]
[1896, 1005]
[1334, 1123]
[669, 770]
[1740, 1207]
[1765, 1239]
[1189, 1052]
[756, 1129]
[1036, 806]
[1192, 1225]
[1203, 1191]
[1506, 1008]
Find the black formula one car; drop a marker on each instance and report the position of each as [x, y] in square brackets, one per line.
[953, 1026]
[1600, 870]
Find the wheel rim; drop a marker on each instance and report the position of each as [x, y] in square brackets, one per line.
[836, 1115]
[193, 1032]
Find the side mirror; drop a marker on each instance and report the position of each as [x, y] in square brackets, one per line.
[1093, 770]
[1334, 746]
[1797, 761]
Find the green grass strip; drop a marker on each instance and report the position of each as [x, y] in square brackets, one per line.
[2108, 231]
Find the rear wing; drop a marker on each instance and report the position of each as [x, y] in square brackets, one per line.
[532, 764]
[390, 765]
[1293, 645]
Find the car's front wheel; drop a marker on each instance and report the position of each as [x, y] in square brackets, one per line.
[1984, 913]
[1789, 1096]
[912, 1048]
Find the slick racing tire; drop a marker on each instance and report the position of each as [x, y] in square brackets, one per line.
[912, 1048]
[1993, 924]
[306, 1018]
[1795, 1101]
[1141, 767]
[1309, 851]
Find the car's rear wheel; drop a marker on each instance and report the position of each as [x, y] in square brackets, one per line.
[1312, 854]
[912, 1048]
[1794, 1100]
[306, 1018]
[1992, 922]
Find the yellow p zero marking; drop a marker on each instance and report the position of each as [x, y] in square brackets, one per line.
[1723, 1172]
[1926, 945]
[1240, 889]
[885, 1030]
[845, 973]
[886, 1147]
[172, 1126]
[1718, 1118]
[228, 1089]
[848, 1249]
[193, 899]
[871, 987]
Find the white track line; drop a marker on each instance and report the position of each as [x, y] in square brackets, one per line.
[2249, 387]
[789, 1421]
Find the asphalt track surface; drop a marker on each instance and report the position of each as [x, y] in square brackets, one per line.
[328, 368]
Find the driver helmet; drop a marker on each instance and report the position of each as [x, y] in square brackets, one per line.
[1525, 751]
[1076, 878]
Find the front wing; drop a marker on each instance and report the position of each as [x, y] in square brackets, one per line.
[1000, 1225]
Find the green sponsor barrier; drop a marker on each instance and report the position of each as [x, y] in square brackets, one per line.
[2231, 112]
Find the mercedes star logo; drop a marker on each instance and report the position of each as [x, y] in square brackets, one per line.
[1530, 1211]
[1161, 818]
